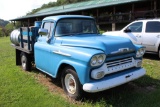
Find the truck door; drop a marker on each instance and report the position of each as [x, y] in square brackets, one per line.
[134, 33]
[151, 35]
[43, 55]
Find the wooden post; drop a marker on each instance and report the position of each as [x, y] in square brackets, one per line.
[132, 12]
[14, 25]
[21, 38]
[28, 22]
[155, 8]
[113, 26]
[114, 23]
[21, 23]
[155, 5]
[97, 16]
[28, 40]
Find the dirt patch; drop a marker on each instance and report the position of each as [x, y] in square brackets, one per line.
[53, 85]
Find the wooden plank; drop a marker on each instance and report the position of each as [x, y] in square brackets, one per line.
[22, 49]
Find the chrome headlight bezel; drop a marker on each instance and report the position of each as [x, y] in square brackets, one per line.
[97, 60]
[140, 52]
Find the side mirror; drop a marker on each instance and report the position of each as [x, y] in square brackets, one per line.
[43, 31]
[127, 30]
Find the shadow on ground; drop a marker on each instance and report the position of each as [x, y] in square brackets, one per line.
[151, 56]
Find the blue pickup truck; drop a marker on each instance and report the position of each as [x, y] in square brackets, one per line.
[70, 47]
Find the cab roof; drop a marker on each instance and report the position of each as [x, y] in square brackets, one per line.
[58, 17]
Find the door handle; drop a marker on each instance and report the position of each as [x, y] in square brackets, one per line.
[138, 36]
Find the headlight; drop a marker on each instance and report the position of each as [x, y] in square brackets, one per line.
[97, 60]
[140, 52]
[97, 75]
[100, 59]
[93, 60]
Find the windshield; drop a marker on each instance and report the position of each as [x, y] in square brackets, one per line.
[75, 26]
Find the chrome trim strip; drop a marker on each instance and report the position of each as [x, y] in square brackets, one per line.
[61, 53]
[122, 50]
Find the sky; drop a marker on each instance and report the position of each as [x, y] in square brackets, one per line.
[11, 9]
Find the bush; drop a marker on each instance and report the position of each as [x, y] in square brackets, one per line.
[3, 32]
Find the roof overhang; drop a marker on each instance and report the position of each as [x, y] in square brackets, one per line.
[75, 7]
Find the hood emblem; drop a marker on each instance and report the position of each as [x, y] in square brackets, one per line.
[121, 50]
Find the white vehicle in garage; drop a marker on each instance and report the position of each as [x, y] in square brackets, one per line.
[142, 32]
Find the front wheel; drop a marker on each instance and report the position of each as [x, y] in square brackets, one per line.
[71, 84]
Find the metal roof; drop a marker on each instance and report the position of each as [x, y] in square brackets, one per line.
[76, 7]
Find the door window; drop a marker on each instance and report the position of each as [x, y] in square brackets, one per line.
[136, 27]
[49, 26]
[153, 27]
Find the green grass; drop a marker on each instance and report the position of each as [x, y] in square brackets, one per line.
[24, 89]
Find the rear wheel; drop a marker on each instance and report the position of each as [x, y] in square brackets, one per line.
[25, 62]
[71, 84]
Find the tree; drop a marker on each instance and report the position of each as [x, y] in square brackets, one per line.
[2, 33]
[9, 28]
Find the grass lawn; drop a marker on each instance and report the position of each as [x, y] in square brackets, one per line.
[35, 89]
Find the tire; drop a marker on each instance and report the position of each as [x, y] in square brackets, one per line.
[25, 62]
[71, 84]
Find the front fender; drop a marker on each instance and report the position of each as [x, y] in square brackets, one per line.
[80, 61]
[82, 69]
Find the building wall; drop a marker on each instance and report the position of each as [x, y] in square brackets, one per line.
[117, 16]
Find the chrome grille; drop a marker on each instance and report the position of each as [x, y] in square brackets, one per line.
[119, 65]
[119, 62]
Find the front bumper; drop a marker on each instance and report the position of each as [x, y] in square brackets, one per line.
[114, 80]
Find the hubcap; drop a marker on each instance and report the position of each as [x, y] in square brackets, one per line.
[23, 61]
[70, 83]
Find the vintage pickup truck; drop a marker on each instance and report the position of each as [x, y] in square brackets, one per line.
[70, 47]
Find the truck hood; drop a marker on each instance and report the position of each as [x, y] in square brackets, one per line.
[112, 33]
[108, 44]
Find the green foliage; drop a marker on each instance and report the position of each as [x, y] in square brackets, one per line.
[101, 31]
[9, 27]
[5, 31]
[1, 33]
